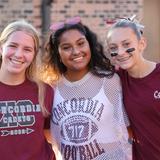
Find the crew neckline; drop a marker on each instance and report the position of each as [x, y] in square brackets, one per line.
[13, 86]
[147, 76]
[76, 83]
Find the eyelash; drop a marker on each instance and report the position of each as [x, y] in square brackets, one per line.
[68, 47]
[81, 43]
[12, 46]
[113, 48]
[126, 44]
[28, 50]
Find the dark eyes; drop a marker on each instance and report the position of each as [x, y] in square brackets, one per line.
[66, 47]
[69, 47]
[81, 43]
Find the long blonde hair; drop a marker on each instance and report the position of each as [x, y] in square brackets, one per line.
[32, 70]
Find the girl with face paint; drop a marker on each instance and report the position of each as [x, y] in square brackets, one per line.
[140, 84]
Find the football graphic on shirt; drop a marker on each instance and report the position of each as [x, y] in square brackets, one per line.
[78, 129]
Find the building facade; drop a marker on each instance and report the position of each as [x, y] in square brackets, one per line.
[41, 13]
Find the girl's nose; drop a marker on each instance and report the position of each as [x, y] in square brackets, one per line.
[75, 51]
[18, 52]
[121, 51]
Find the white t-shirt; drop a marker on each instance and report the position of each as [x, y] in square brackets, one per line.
[88, 119]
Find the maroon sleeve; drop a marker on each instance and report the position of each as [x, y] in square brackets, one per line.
[49, 94]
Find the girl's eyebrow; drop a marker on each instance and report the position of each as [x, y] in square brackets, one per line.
[112, 44]
[67, 43]
[81, 38]
[28, 47]
[64, 44]
[126, 40]
[13, 43]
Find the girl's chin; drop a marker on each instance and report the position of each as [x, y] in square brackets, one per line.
[125, 67]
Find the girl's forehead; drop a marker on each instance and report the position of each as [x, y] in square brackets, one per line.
[120, 34]
[121, 30]
[71, 35]
[71, 31]
[20, 34]
[21, 37]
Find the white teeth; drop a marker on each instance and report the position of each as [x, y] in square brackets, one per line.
[123, 59]
[16, 61]
[78, 59]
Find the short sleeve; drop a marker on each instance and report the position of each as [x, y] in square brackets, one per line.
[49, 96]
[113, 90]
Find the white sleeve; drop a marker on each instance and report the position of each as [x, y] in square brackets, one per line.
[113, 90]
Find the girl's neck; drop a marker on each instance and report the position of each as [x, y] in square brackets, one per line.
[142, 69]
[75, 76]
[11, 79]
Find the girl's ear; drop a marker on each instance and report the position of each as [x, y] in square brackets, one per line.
[142, 44]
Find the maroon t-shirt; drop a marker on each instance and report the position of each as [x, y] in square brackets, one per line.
[142, 102]
[22, 123]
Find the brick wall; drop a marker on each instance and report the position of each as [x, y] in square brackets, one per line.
[15, 9]
[11, 10]
[92, 12]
